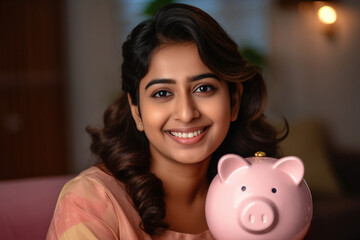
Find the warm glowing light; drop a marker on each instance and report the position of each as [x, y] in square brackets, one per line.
[327, 15]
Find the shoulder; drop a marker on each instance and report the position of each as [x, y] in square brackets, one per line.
[92, 182]
[84, 203]
[97, 193]
[94, 202]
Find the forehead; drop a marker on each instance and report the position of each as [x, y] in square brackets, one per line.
[172, 58]
[171, 47]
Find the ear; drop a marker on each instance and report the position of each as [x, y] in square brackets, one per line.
[235, 101]
[135, 113]
[230, 163]
[292, 166]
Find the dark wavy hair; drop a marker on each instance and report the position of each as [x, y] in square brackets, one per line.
[125, 151]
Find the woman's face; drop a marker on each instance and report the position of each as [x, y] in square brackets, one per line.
[185, 108]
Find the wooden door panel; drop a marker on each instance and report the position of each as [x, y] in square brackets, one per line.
[32, 89]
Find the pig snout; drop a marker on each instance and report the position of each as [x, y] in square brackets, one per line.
[257, 215]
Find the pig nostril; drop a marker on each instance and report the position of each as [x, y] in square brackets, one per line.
[252, 218]
[263, 218]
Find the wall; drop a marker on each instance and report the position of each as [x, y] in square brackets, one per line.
[94, 77]
[313, 76]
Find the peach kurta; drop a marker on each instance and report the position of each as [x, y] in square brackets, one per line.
[94, 205]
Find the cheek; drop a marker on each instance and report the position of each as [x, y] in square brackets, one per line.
[219, 109]
[223, 121]
[153, 116]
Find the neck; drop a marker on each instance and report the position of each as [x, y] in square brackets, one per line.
[182, 183]
[185, 187]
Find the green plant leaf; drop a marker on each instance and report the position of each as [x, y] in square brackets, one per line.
[154, 5]
[253, 56]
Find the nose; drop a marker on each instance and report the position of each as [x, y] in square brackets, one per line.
[257, 216]
[185, 109]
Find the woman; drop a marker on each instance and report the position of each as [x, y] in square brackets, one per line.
[188, 98]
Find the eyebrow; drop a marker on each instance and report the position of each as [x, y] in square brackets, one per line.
[172, 81]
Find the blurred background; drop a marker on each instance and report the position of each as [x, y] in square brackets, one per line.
[60, 68]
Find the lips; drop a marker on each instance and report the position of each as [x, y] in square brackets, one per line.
[187, 136]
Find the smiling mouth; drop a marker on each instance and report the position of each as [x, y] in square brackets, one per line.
[185, 135]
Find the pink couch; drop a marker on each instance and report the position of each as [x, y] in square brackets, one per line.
[27, 206]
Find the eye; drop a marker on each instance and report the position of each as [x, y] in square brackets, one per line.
[204, 89]
[161, 94]
[273, 190]
[243, 188]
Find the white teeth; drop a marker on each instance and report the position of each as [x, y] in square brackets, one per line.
[186, 135]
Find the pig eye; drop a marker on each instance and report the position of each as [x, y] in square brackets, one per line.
[273, 190]
[243, 188]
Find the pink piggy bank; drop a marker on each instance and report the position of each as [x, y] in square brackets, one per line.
[259, 198]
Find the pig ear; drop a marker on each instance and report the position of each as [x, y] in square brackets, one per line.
[292, 166]
[228, 164]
